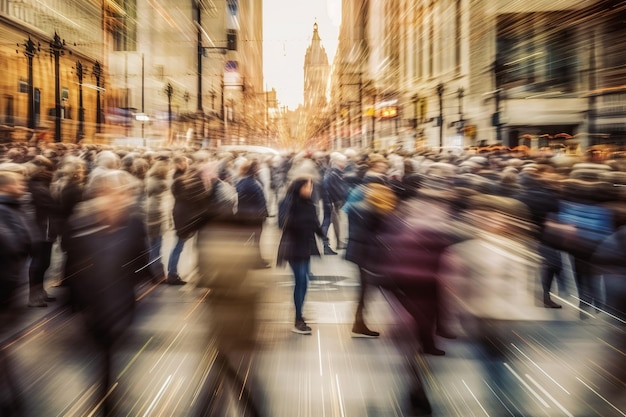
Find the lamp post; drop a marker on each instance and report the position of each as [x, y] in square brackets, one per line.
[97, 73]
[30, 49]
[440, 94]
[169, 90]
[57, 47]
[81, 111]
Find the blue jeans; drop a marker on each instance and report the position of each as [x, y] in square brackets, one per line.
[156, 266]
[301, 275]
[172, 265]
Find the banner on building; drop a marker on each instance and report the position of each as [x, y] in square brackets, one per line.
[232, 77]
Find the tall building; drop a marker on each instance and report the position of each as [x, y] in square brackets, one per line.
[316, 77]
[316, 71]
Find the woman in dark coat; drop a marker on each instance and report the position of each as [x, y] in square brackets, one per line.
[364, 220]
[299, 221]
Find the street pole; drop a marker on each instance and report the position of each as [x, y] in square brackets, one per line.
[169, 90]
[440, 94]
[57, 47]
[200, 52]
[81, 111]
[30, 49]
[97, 73]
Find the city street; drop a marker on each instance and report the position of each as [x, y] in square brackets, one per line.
[554, 365]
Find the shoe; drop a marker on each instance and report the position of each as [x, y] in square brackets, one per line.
[175, 280]
[329, 251]
[446, 334]
[434, 351]
[363, 331]
[301, 328]
[262, 265]
[37, 302]
[48, 297]
[551, 304]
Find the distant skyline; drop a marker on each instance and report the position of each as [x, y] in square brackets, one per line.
[288, 27]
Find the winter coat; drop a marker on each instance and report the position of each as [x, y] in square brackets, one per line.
[15, 245]
[301, 225]
[155, 192]
[412, 246]
[47, 209]
[363, 225]
[251, 207]
[190, 198]
[103, 265]
[335, 187]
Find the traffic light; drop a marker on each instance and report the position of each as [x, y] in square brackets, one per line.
[231, 39]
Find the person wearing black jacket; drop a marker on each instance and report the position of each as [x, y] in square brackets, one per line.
[189, 209]
[334, 195]
[541, 200]
[297, 217]
[107, 255]
[252, 207]
[15, 246]
[47, 211]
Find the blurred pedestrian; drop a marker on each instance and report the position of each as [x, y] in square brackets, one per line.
[252, 207]
[334, 195]
[299, 222]
[156, 189]
[189, 207]
[47, 211]
[105, 243]
[364, 221]
[15, 247]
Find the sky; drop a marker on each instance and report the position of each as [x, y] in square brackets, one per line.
[288, 28]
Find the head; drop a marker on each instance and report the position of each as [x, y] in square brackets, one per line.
[12, 184]
[181, 163]
[248, 168]
[378, 163]
[301, 187]
[113, 193]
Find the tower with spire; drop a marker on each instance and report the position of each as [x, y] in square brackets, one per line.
[316, 73]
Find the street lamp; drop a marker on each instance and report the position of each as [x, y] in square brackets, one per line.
[169, 90]
[81, 111]
[57, 48]
[97, 73]
[30, 49]
[440, 94]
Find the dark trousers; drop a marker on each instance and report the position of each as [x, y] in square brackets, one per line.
[41, 255]
[551, 268]
[588, 287]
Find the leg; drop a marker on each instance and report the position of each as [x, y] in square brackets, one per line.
[172, 265]
[39, 264]
[300, 272]
[156, 266]
[327, 209]
[549, 268]
[359, 329]
[335, 219]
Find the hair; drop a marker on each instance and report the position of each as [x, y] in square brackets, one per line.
[248, 167]
[296, 185]
[109, 181]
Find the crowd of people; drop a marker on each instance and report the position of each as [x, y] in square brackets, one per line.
[109, 208]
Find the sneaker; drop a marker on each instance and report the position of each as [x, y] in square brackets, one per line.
[328, 251]
[434, 351]
[47, 297]
[363, 331]
[175, 280]
[301, 328]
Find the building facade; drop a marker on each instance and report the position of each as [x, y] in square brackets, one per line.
[167, 71]
[461, 73]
